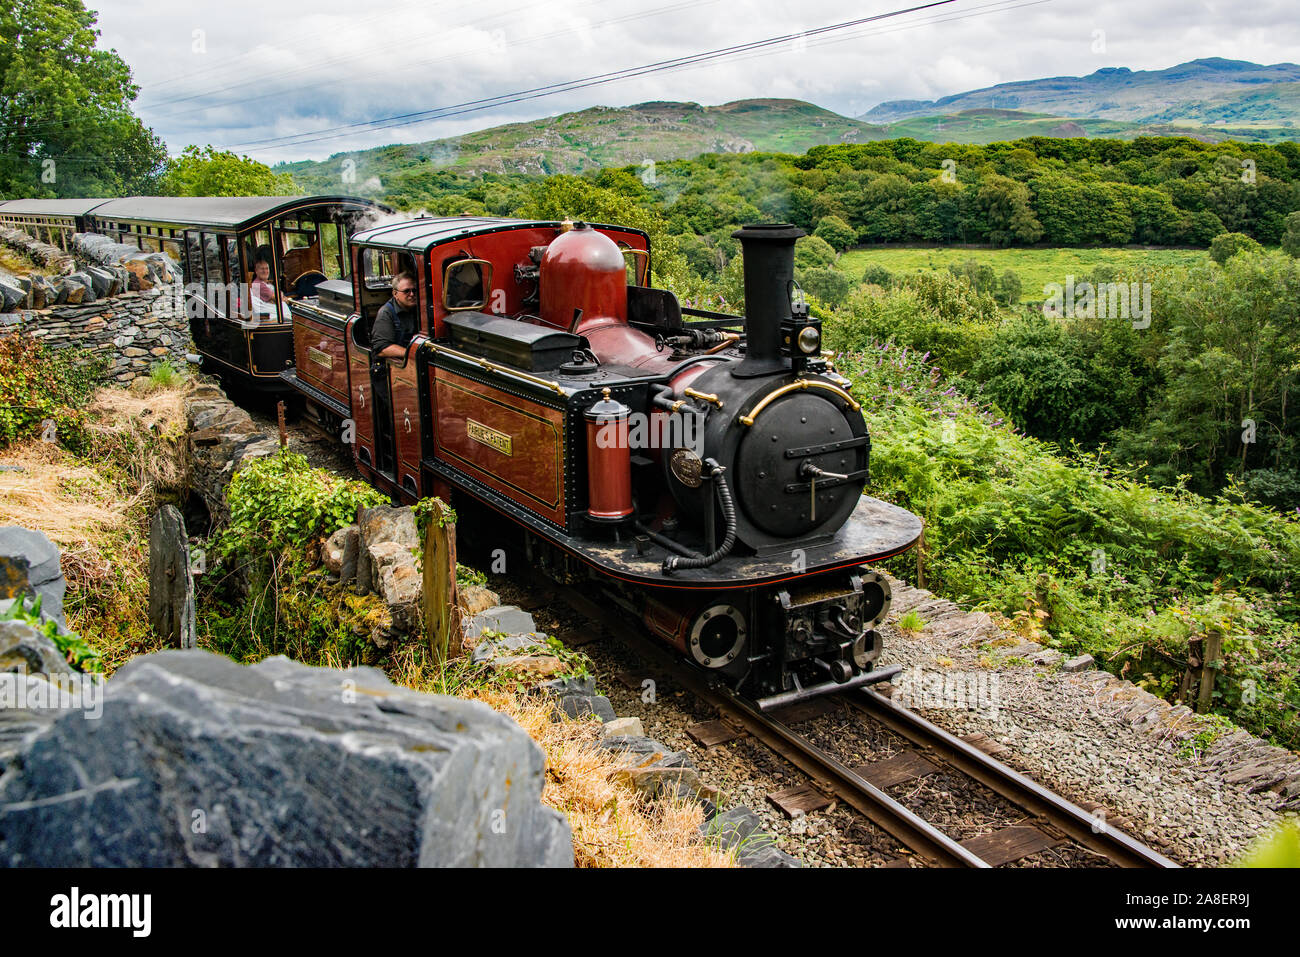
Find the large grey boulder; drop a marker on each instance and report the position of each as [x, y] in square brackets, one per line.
[199, 761]
[29, 565]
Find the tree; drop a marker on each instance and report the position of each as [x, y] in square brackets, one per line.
[836, 232]
[1291, 240]
[209, 172]
[66, 127]
[1225, 245]
[1010, 287]
[813, 251]
[826, 283]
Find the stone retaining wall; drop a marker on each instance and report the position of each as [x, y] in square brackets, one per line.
[132, 330]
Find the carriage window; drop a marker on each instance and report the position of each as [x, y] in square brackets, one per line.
[257, 245]
[212, 258]
[300, 258]
[193, 257]
[465, 283]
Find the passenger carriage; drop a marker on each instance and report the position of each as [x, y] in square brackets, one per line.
[216, 241]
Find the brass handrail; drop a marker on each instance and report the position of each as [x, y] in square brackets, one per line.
[494, 367]
[797, 386]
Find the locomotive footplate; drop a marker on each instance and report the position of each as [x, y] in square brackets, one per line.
[875, 531]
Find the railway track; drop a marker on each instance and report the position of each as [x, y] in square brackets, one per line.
[1051, 819]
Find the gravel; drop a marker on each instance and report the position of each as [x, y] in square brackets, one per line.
[1062, 734]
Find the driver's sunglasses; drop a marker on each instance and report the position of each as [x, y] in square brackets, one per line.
[406, 292]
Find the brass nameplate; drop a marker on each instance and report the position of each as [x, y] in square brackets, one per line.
[320, 358]
[489, 437]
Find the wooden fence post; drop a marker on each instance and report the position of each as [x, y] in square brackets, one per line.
[442, 616]
[1209, 667]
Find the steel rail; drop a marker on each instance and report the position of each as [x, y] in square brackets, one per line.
[825, 770]
[1070, 819]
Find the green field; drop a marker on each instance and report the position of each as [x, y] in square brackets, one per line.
[1036, 267]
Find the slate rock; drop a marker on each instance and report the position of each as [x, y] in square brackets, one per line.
[623, 727]
[507, 645]
[1081, 663]
[570, 685]
[171, 582]
[584, 706]
[502, 619]
[284, 766]
[44, 576]
[24, 649]
[740, 828]
[340, 553]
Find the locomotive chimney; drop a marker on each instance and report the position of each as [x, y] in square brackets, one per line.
[769, 267]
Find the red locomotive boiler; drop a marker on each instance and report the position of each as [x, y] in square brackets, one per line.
[705, 471]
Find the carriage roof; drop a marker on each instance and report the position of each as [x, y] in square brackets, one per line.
[50, 207]
[234, 212]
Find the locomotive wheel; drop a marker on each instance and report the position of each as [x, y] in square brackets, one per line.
[718, 637]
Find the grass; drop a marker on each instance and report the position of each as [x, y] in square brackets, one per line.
[96, 508]
[1036, 267]
[16, 264]
[911, 622]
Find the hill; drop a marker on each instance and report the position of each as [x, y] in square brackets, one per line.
[604, 136]
[984, 126]
[1213, 98]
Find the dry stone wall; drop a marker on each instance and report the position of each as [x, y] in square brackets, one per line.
[126, 312]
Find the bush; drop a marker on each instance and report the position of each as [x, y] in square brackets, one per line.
[877, 275]
[1229, 244]
[836, 232]
[39, 386]
[828, 284]
[813, 252]
[280, 503]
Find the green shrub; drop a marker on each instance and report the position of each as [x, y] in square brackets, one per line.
[39, 386]
[1226, 245]
[280, 503]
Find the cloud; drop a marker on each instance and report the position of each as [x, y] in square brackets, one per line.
[243, 72]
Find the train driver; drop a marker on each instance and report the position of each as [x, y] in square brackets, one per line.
[397, 320]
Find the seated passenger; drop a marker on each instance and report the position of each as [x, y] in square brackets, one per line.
[397, 320]
[261, 293]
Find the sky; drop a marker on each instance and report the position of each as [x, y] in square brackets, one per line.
[285, 81]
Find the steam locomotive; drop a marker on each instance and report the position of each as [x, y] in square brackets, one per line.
[705, 471]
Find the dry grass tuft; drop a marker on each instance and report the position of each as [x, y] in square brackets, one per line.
[612, 825]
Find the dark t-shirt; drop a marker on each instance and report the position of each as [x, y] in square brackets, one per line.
[393, 326]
